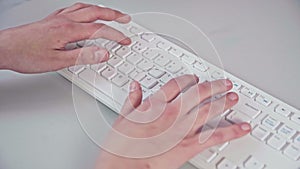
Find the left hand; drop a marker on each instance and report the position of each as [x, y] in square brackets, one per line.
[40, 46]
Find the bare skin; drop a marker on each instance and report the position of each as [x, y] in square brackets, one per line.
[40, 47]
[169, 97]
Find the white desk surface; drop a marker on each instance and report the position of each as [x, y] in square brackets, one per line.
[258, 41]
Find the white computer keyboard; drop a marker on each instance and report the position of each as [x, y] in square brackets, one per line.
[152, 60]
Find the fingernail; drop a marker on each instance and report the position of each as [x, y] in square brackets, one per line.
[228, 83]
[133, 86]
[101, 55]
[245, 127]
[126, 41]
[232, 96]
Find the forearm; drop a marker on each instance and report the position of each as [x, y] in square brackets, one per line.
[5, 54]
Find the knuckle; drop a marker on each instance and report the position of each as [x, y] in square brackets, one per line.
[79, 5]
[219, 137]
[95, 9]
[186, 143]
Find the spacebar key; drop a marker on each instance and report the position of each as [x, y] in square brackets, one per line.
[103, 85]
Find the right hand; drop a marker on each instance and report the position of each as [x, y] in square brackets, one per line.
[123, 153]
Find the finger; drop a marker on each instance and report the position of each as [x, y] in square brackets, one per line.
[198, 93]
[85, 55]
[212, 109]
[190, 147]
[134, 98]
[173, 87]
[93, 13]
[74, 7]
[82, 31]
[223, 134]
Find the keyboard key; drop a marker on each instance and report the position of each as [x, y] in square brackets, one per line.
[253, 163]
[183, 72]
[134, 58]
[282, 111]
[80, 43]
[139, 46]
[102, 85]
[98, 67]
[260, 133]
[109, 73]
[248, 92]
[218, 75]
[120, 80]
[188, 59]
[286, 131]
[270, 122]
[88, 76]
[156, 73]
[208, 155]
[162, 60]
[114, 61]
[238, 117]
[146, 93]
[174, 67]
[248, 109]
[135, 30]
[101, 42]
[89, 43]
[71, 46]
[166, 77]
[149, 37]
[126, 68]
[200, 66]
[163, 45]
[263, 100]
[221, 147]
[137, 75]
[112, 45]
[175, 52]
[296, 118]
[236, 85]
[149, 82]
[156, 87]
[297, 140]
[276, 142]
[123, 51]
[145, 65]
[292, 152]
[151, 53]
[76, 69]
[226, 164]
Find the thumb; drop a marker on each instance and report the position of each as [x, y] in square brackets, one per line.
[133, 100]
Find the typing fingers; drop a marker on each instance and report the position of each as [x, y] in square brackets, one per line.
[200, 92]
[82, 31]
[174, 87]
[92, 13]
[85, 55]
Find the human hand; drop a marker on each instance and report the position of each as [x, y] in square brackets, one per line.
[169, 108]
[40, 46]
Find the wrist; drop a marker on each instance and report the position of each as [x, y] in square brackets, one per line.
[4, 49]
